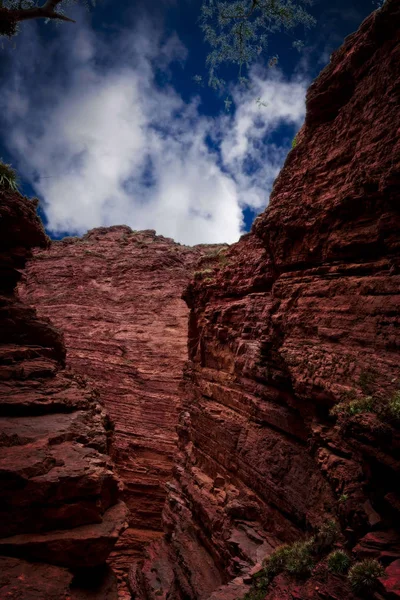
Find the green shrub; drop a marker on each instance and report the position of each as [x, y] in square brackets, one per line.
[354, 407]
[259, 586]
[393, 407]
[8, 178]
[327, 535]
[343, 497]
[276, 562]
[255, 594]
[338, 562]
[296, 559]
[199, 274]
[363, 576]
[294, 142]
[299, 559]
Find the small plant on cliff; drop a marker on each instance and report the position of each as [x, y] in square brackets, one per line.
[295, 559]
[386, 410]
[259, 587]
[276, 562]
[338, 562]
[200, 274]
[326, 536]
[294, 142]
[299, 560]
[363, 576]
[354, 407]
[8, 178]
[392, 409]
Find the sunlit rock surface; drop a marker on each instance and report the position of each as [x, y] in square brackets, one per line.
[116, 295]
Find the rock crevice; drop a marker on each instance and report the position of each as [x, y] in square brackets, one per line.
[303, 317]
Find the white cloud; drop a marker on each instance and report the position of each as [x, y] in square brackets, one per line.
[103, 144]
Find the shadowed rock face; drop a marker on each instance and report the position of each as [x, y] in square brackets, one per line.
[303, 315]
[116, 295]
[58, 492]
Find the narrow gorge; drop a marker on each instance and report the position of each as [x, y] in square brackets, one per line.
[116, 295]
[172, 415]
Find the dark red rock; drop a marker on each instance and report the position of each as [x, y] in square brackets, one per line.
[21, 580]
[304, 314]
[391, 581]
[58, 492]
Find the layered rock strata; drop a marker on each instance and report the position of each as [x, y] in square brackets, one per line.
[60, 514]
[116, 295]
[303, 316]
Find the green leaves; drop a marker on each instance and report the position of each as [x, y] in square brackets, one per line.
[363, 576]
[338, 562]
[238, 30]
[8, 178]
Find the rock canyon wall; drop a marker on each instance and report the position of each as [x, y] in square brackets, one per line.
[299, 318]
[116, 295]
[302, 317]
[59, 495]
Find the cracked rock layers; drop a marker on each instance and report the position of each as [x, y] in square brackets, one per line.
[303, 316]
[116, 295]
[60, 513]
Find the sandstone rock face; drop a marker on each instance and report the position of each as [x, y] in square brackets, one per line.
[303, 315]
[116, 295]
[58, 491]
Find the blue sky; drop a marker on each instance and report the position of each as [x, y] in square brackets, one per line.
[106, 125]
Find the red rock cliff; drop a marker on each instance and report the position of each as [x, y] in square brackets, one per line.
[116, 295]
[303, 316]
[59, 503]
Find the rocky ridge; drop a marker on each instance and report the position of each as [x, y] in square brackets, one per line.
[59, 495]
[116, 295]
[302, 316]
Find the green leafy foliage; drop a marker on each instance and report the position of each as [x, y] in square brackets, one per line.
[259, 586]
[238, 30]
[354, 407]
[363, 576]
[276, 562]
[393, 407]
[8, 178]
[294, 142]
[386, 410]
[201, 274]
[327, 535]
[299, 560]
[338, 562]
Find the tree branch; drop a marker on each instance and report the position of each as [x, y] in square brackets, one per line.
[45, 12]
[51, 4]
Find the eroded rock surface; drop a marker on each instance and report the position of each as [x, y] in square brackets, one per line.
[303, 315]
[116, 295]
[58, 491]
